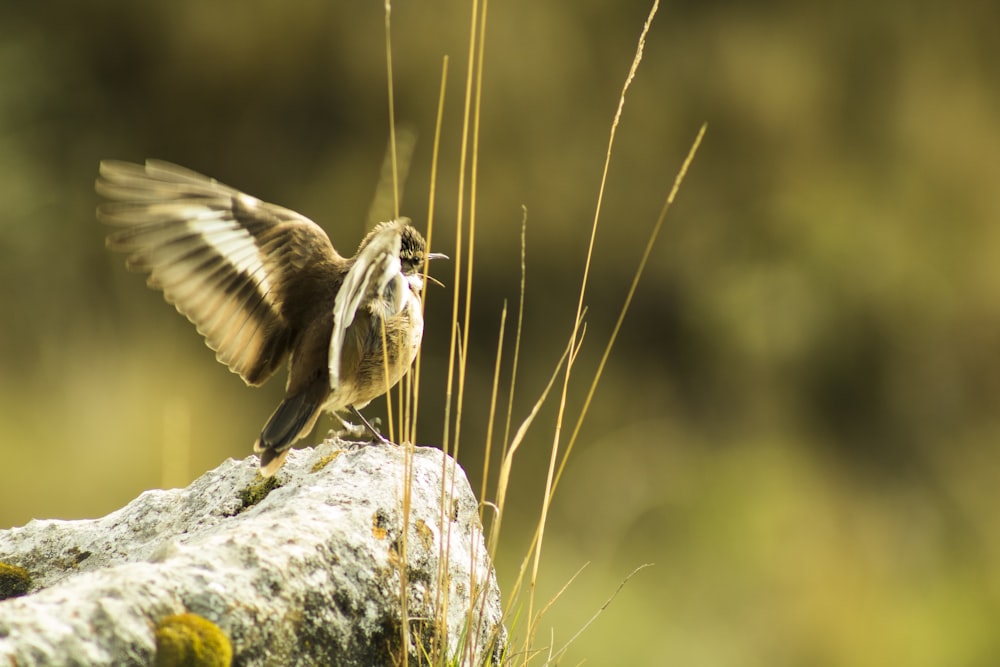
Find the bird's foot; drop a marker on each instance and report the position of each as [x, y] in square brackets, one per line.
[365, 433]
[372, 429]
[352, 436]
[355, 433]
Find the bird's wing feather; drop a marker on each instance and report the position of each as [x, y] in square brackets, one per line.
[221, 257]
[375, 265]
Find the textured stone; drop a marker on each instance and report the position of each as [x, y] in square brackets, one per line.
[309, 574]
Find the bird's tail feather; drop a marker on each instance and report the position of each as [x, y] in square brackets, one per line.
[293, 418]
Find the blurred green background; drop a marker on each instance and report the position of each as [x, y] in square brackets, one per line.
[799, 425]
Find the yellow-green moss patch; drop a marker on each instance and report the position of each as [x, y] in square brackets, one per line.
[258, 490]
[188, 640]
[14, 581]
[319, 465]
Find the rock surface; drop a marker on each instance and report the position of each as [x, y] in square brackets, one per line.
[309, 575]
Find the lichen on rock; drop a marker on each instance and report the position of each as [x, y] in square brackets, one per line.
[190, 640]
[14, 581]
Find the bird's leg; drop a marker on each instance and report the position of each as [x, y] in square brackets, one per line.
[349, 431]
[378, 436]
[359, 433]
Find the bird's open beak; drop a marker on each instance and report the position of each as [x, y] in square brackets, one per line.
[430, 256]
[435, 255]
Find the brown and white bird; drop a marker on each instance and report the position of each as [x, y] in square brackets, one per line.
[262, 283]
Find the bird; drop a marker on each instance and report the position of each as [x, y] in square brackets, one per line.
[262, 284]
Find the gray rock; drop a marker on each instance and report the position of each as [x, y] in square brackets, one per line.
[310, 575]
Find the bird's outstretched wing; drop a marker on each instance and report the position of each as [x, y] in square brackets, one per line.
[224, 259]
[372, 278]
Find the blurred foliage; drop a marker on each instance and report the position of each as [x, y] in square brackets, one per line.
[799, 424]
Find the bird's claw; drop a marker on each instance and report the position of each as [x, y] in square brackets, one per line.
[365, 433]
